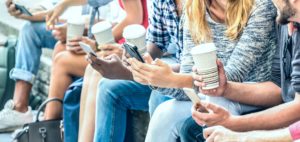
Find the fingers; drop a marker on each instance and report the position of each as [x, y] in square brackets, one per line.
[8, 3]
[147, 58]
[220, 67]
[159, 62]
[212, 107]
[137, 65]
[208, 131]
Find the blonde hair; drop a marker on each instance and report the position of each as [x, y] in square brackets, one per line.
[237, 15]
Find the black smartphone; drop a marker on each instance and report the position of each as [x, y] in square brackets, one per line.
[132, 50]
[23, 9]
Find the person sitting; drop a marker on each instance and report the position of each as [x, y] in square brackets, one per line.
[32, 38]
[285, 75]
[244, 61]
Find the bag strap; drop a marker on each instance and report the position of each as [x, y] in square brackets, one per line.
[44, 104]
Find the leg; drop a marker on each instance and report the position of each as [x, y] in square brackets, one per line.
[165, 118]
[190, 131]
[65, 66]
[156, 99]
[114, 98]
[32, 38]
[87, 109]
[59, 47]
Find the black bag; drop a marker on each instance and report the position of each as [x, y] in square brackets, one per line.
[42, 131]
[7, 62]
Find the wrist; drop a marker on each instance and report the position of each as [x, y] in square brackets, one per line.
[227, 89]
[230, 122]
[179, 80]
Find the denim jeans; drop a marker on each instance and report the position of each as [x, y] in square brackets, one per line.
[32, 38]
[113, 101]
[168, 119]
[155, 100]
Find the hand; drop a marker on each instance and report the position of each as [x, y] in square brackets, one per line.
[73, 45]
[221, 134]
[111, 67]
[156, 73]
[11, 7]
[53, 14]
[220, 91]
[60, 32]
[109, 49]
[217, 115]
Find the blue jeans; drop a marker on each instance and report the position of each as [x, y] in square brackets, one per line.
[33, 37]
[156, 99]
[113, 101]
[168, 119]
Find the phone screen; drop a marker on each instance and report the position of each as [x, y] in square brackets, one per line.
[132, 50]
[195, 99]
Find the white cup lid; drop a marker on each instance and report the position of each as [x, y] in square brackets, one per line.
[133, 31]
[101, 26]
[203, 48]
[76, 20]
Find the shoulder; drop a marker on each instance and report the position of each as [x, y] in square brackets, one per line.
[263, 6]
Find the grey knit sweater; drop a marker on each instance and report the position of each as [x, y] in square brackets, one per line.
[247, 59]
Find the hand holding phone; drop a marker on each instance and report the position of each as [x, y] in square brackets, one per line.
[195, 99]
[132, 50]
[87, 49]
[23, 9]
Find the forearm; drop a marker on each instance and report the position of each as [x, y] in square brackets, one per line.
[273, 118]
[37, 17]
[265, 94]
[280, 135]
[74, 2]
[180, 80]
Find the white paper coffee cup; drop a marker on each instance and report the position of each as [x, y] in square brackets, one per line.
[102, 32]
[136, 34]
[204, 56]
[75, 28]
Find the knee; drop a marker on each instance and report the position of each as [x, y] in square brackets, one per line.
[32, 27]
[59, 47]
[61, 58]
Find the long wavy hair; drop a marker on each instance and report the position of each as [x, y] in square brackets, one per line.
[237, 15]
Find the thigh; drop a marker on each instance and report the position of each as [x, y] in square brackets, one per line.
[129, 94]
[155, 100]
[163, 123]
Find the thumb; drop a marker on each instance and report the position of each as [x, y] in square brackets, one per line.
[208, 131]
[220, 67]
[148, 59]
[209, 106]
[159, 62]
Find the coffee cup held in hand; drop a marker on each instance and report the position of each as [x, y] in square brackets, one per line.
[205, 59]
[75, 28]
[136, 34]
[102, 32]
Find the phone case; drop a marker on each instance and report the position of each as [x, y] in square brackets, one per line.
[23, 9]
[132, 50]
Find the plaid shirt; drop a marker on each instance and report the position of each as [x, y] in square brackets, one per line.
[165, 26]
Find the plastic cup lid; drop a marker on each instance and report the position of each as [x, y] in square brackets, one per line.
[134, 31]
[203, 48]
[101, 26]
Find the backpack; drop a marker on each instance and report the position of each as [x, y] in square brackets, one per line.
[7, 62]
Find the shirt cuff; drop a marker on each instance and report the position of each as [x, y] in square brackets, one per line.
[295, 131]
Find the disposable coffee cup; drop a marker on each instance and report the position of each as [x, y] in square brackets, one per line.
[136, 34]
[205, 59]
[75, 28]
[102, 32]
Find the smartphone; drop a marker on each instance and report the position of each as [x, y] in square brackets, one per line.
[195, 99]
[87, 49]
[23, 9]
[132, 50]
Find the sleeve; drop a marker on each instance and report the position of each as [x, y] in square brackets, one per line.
[187, 63]
[157, 32]
[253, 42]
[295, 131]
[276, 72]
[295, 81]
